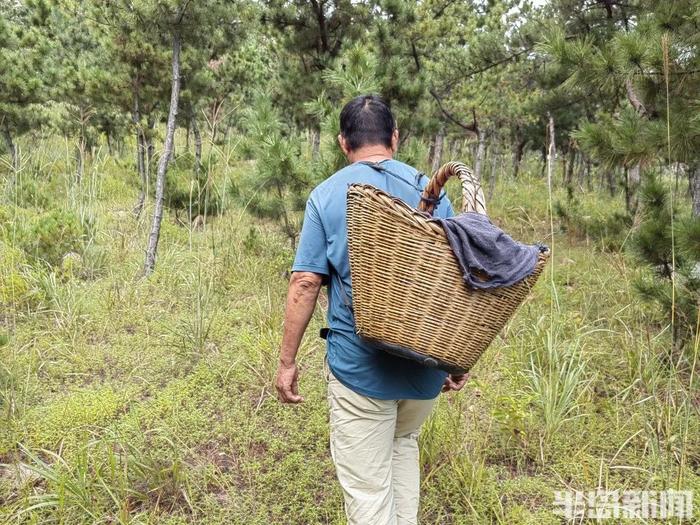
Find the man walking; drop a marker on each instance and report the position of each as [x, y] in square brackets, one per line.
[378, 401]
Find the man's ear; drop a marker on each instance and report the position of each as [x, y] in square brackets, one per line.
[343, 144]
[395, 140]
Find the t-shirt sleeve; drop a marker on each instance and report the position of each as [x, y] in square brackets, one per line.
[311, 252]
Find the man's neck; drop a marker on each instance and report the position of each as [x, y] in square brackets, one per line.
[375, 153]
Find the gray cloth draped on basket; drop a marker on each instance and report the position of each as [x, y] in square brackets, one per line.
[489, 257]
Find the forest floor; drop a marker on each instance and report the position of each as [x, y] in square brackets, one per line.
[129, 400]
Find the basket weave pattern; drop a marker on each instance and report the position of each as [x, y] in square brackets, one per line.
[408, 289]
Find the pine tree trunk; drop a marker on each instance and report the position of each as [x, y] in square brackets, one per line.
[634, 178]
[695, 187]
[215, 127]
[589, 174]
[580, 170]
[82, 147]
[153, 237]
[480, 153]
[494, 174]
[141, 166]
[436, 150]
[543, 158]
[518, 149]
[148, 140]
[455, 149]
[215, 119]
[197, 144]
[551, 151]
[79, 156]
[197, 157]
[315, 136]
[11, 148]
[140, 155]
[289, 230]
[570, 163]
[610, 174]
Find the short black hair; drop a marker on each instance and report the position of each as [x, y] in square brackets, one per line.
[367, 120]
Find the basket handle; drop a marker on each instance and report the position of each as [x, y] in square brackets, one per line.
[472, 194]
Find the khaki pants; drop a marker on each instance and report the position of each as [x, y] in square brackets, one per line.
[374, 445]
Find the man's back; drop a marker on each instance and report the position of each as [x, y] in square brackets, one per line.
[323, 249]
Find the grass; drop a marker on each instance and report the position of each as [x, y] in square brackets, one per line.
[130, 401]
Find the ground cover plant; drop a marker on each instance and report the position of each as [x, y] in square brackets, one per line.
[155, 162]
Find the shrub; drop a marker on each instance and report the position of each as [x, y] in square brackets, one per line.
[189, 191]
[673, 282]
[278, 187]
[606, 230]
[51, 235]
[14, 285]
[28, 193]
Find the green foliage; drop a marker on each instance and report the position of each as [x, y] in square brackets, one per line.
[512, 413]
[321, 31]
[194, 192]
[666, 242]
[51, 235]
[152, 399]
[632, 63]
[25, 70]
[689, 238]
[112, 474]
[29, 192]
[133, 401]
[619, 140]
[608, 231]
[49, 425]
[557, 378]
[278, 186]
[15, 287]
[354, 73]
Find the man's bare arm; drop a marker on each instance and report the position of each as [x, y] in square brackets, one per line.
[301, 301]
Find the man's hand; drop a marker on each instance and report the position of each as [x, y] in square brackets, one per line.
[287, 383]
[301, 301]
[455, 382]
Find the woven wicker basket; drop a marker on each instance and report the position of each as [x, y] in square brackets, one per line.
[409, 297]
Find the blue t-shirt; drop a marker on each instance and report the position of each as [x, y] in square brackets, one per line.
[323, 249]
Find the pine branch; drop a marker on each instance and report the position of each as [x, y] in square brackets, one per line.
[468, 74]
[472, 128]
[441, 11]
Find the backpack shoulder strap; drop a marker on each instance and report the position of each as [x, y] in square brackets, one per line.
[419, 175]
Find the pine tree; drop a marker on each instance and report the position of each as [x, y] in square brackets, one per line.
[312, 34]
[24, 71]
[278, 186]
[627, 54]
[82, 81]
[146, 30]
[641, 59]
[134, 63]
[668, 242]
